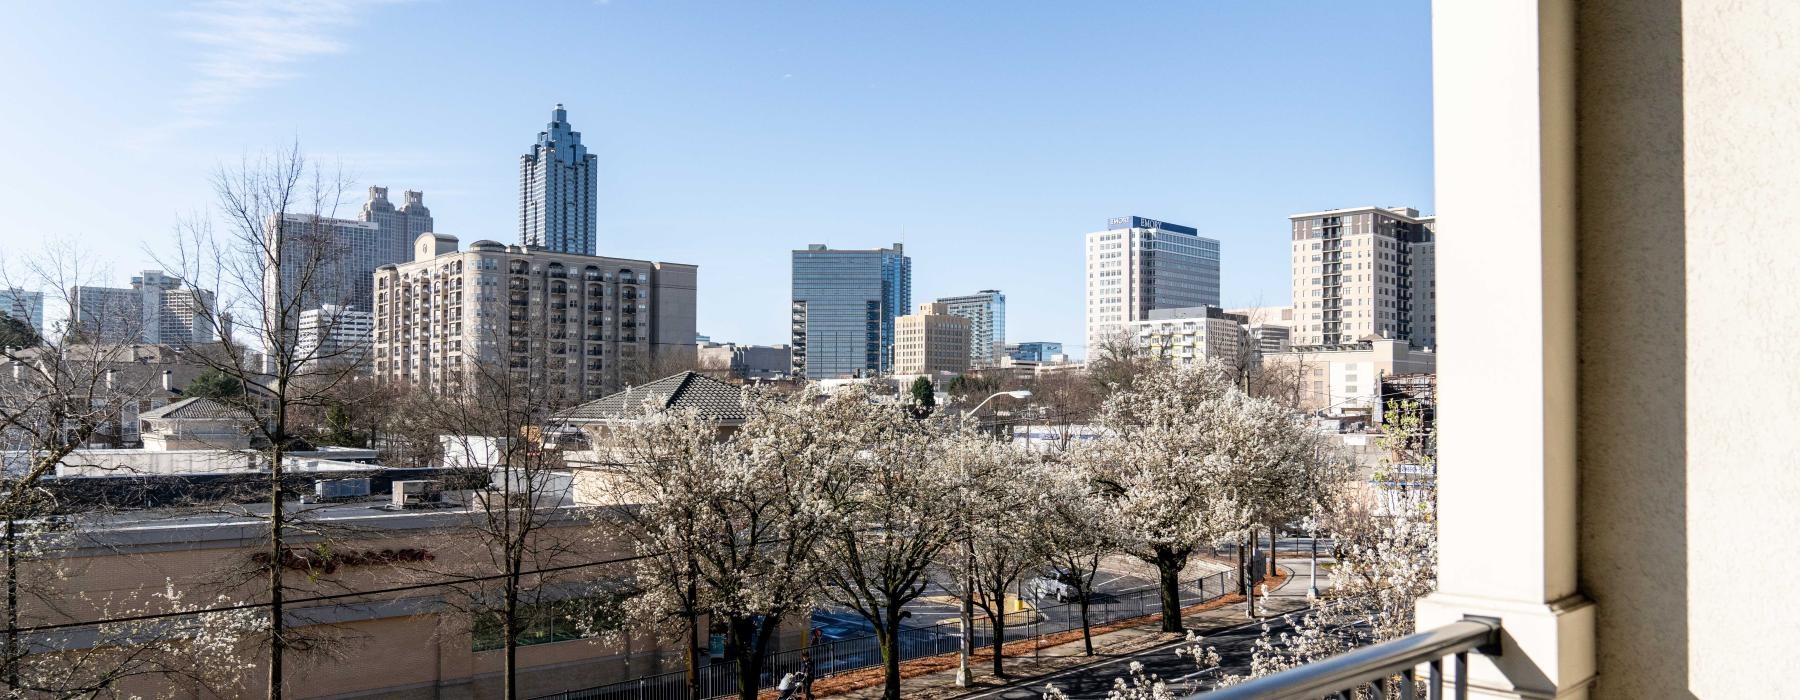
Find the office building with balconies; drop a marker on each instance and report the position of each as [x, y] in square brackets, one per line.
[843, 308]
[1186, 336]
[1139, 264]
[1358, 274]
[584, 326]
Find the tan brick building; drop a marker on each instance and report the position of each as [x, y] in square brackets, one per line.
[931, 341]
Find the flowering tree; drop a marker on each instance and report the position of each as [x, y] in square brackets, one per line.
[1071, 529]
[1002, 507]
[773, 495]
[1162, 465]
[652, 473]
[900, 511]
[733, 521]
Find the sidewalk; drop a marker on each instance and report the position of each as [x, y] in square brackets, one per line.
[934, 678]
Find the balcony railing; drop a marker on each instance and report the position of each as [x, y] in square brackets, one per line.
[1373, 667]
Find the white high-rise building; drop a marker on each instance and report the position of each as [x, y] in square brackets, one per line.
[986, 311]
[335, 335]
[157, 309]
[557, 190]
[1139, 264]
[1361, 274]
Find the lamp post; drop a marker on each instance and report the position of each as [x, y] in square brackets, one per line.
[967, 648]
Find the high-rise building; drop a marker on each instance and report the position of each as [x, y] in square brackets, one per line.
[1194, 334]
[1359, 273]
[335, 335]
[932, 341]
[156, 309]
[399, 225]
[1036, 351]
[1139, 264]
[557, 190]
[583, 325]
[843, 310]
[335, 259]
[986, 311]
[23, 306]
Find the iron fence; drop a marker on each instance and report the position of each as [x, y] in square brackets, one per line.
[844, 655]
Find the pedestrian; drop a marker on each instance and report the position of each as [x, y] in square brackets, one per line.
[806, 675]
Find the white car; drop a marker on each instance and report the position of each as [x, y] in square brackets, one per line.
[1056, 584]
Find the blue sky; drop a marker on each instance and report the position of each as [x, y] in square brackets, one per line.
[987, 136]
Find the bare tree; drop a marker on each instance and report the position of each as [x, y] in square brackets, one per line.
[1117, 361]
[62, 390]
[272, 256]
[520, 513]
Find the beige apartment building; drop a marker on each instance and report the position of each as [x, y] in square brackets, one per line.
[931, 341]
[585, 325]
[1361, 273]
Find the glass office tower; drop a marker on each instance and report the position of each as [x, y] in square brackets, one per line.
[843, 310]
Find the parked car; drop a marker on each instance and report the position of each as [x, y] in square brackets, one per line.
[1054, 584]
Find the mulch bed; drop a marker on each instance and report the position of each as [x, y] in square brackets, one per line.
[851, 681]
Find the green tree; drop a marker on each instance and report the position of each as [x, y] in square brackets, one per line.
[924, 395]
[214, 384]
[15, 333]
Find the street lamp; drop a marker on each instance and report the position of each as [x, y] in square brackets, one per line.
[967, 648]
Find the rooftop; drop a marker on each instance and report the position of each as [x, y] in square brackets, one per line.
[690, 390]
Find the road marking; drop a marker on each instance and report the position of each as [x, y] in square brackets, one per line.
[1088, 667]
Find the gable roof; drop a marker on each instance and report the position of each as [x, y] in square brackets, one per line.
[197, 408]
[713, 399]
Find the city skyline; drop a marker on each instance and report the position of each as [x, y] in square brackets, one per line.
[754, 143]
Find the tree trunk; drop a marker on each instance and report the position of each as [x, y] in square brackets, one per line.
[12, 606]
[1168, 573]
[743, 646]
[693, 655]
[1272, 550]
[277, 560]
[509, 632]
[999, 621]
[1087, 630]
[890, 654]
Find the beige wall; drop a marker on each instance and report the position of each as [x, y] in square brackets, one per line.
[420, 651]
[1648, 154]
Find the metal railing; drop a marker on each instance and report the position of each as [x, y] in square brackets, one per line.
[1374, 669]
[845, 655]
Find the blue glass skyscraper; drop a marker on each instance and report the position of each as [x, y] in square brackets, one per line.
[557, 190]
[843, 310]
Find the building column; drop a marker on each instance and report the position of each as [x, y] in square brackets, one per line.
[1504, 100]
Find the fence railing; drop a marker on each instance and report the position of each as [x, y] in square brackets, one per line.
[1385, 670]
[844, 655]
